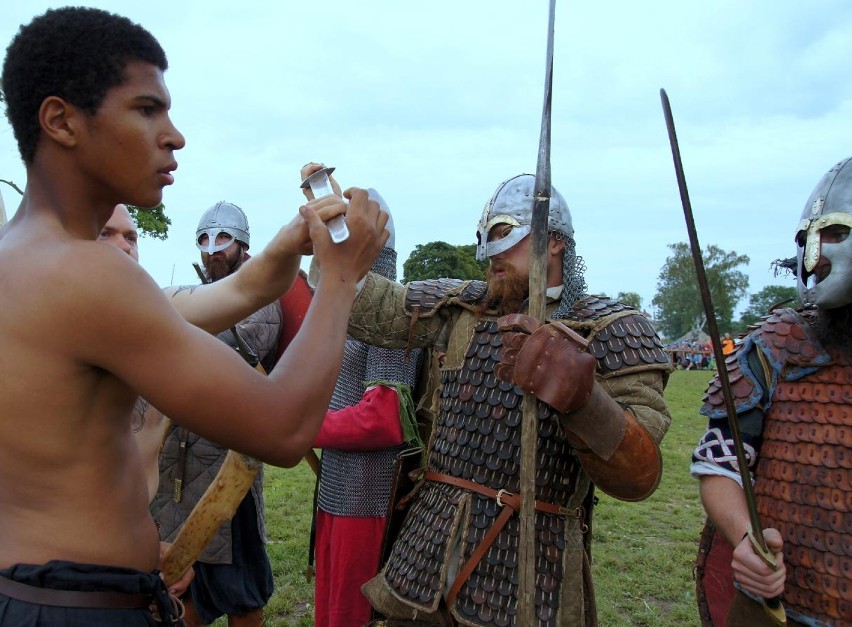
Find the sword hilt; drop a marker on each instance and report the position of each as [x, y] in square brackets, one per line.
[321, 186]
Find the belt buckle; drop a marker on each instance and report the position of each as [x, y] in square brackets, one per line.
[500, 494]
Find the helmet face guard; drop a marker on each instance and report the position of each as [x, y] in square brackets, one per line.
[223, 217]
[210, 246]
[823, 233]
[512, 204]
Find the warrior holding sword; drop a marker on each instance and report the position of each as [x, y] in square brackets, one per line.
[542, 392]
[599, 370]
[793, 376]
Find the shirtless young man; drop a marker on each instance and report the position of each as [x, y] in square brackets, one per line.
[86, 98]
[214, 307]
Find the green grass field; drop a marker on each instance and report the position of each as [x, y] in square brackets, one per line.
[642, 552]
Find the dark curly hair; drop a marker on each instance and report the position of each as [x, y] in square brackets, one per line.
[75, 53]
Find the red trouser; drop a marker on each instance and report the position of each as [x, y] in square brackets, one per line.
[346, 557]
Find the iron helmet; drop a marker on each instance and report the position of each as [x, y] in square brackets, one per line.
[223, 217]
[512, 204]
[829, 205]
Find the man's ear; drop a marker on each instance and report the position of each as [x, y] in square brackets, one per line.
[58, 120]
[555, 246]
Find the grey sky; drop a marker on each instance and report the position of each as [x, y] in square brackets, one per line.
[434, 104]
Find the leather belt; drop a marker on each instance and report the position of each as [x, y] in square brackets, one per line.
[73, 598]
[510, 503]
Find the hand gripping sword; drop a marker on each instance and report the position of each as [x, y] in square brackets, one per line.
[224, 494]
[537, 288]
[772, 606]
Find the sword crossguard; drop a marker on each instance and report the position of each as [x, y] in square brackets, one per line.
[761, 549]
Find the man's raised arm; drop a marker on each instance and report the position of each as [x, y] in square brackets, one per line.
[218, 306]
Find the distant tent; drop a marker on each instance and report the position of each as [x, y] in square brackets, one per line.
[694, 336]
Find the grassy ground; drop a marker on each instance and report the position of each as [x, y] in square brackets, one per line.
[642, 552]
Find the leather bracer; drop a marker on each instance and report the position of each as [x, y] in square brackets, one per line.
[616, 451]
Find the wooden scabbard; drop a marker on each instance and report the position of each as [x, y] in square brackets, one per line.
[218, 504]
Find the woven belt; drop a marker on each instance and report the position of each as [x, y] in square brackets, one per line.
[510, 503]
[73, 598]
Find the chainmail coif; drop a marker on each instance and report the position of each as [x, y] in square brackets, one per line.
[573, 283]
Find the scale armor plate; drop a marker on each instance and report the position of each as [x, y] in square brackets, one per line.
[787, 339]
[802, 484]
[627, 341]
[803, 489]
[427, 297]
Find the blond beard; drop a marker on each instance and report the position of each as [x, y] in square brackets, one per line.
[506, 295]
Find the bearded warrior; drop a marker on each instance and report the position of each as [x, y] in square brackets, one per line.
[233, 575]
[599, 370]
[791, 378]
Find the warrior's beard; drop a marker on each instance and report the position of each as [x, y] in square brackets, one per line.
[833, 327]
[219, 267]
[505, 295]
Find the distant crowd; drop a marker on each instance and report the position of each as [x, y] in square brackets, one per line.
[695, 355]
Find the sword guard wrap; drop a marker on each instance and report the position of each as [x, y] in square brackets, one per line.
[547, 360]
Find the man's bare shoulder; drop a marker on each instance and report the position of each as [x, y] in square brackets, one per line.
[75, 291]
[85, 268]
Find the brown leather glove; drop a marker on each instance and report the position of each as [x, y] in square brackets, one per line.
[548, 360]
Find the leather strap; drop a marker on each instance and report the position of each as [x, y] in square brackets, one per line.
[415, 314]
[183, 436]
[510, 503]
[502, 497]
[73, 598]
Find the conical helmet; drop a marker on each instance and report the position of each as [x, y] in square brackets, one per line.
[512, 204]
[223, 217]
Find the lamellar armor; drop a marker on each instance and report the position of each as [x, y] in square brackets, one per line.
[803, 459]
[459, 538]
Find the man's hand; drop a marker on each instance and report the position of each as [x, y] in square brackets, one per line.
[310, 168]
[294, 238]
[350, 260]
[753, 574]
[548, 360]
[178, 587]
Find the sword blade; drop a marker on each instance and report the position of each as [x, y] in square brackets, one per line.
[537, 289]
[756, 534]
